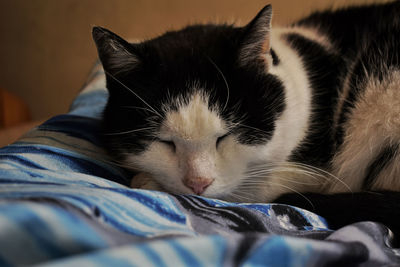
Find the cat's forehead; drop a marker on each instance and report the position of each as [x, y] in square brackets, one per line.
[193, 119]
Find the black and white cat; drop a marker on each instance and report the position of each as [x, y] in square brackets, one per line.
[250, 113]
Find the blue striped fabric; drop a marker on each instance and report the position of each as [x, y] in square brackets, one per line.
[63, 203]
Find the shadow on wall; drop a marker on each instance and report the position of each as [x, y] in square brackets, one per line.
[46, 49]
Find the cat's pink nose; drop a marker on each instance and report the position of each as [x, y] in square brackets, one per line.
[198, 184]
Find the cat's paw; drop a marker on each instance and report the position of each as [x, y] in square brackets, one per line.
[145, 181]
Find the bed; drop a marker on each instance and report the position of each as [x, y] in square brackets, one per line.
[63, 203]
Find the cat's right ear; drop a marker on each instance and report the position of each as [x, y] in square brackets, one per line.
[116, 54]
[256, 38]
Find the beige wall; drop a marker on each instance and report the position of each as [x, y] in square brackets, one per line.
[46, 49]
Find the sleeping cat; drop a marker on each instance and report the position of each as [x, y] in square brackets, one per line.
[250, 113]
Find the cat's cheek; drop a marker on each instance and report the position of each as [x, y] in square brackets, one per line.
[230, 175]
[229, 168]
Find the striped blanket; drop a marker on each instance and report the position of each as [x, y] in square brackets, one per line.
[63, 203]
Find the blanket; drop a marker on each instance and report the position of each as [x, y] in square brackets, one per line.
[64, 203]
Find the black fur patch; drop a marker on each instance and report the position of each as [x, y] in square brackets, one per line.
[275, 58]
[342, 209]
[379, 164]
[348, 27]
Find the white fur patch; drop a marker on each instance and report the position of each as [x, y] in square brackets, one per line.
[291, 127]
[310, 33]
[193, 122]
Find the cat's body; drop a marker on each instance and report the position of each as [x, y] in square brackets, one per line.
[250, 113]
[362, 135]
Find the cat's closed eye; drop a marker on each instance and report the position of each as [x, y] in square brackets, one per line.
[220, 139]
[168, 143]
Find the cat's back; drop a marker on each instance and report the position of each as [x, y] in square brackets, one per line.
[349, 27]
[368, 115]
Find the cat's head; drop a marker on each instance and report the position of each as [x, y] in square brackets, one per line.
[194, 108]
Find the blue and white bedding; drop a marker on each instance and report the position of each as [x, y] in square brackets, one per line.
[63, 203]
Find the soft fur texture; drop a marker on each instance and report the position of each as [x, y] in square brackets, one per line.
[250, 113]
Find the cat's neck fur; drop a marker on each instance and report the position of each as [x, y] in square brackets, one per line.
[293, 124]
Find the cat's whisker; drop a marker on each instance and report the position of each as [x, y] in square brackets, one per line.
[225, 81]
[244, 193]
[139, 108]
[259, 179]
[113, 162]
[282, 179]
[133, 92]
[256, 187]
[117, 163]
[295, 191]
[327, 174]
[290, 169]
[300, 172]
[131, 131]
[250, 127]
[240, 197]
[300, 168]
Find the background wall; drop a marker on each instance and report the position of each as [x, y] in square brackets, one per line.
[46, 50]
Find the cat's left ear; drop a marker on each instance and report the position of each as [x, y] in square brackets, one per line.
[256, 38]
[116, 54]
